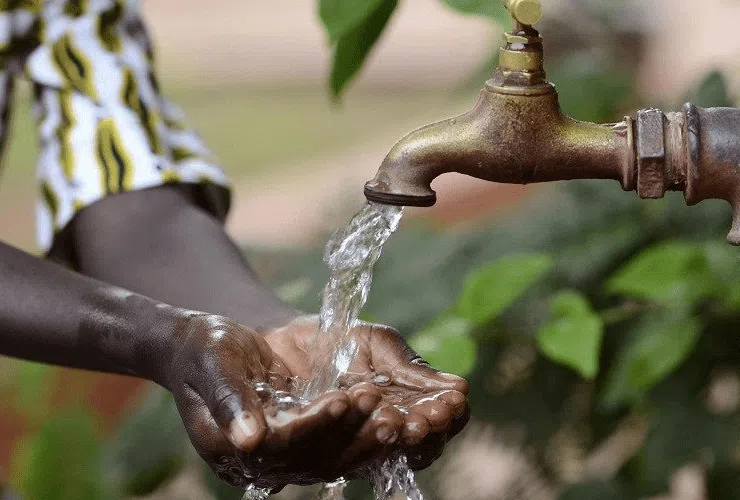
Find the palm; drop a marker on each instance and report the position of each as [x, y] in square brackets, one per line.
[424, 406]
[224, 380]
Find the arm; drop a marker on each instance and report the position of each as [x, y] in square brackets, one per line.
[159, 243]
[53, 315]
[210, 364]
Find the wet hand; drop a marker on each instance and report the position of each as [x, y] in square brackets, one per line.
[216, 372]
[419, 408]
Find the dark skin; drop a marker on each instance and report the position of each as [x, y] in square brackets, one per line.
[158, 243]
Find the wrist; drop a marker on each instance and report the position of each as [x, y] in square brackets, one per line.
[133, 334]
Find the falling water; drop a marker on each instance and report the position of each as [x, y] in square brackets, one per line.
[350, 255]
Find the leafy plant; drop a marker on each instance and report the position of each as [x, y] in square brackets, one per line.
[573, 336]
[353, 28]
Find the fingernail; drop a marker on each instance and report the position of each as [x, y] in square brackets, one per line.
[243, 428]
[367, 403]
[337, 409]
[449, 376]
[386, 435]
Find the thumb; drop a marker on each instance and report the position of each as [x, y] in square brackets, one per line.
[237, 409]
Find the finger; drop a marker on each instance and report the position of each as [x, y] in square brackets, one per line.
[434, 410]
[418, 374]
[208, 440]
[392, 353]
[364, 398]
[322, 458]
[237, 410]
[313, 422]
[423, 455]
[459, 423]
[415, 429]
[379, 433]
[456, 401]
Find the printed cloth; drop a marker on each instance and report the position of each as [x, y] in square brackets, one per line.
[104, 126]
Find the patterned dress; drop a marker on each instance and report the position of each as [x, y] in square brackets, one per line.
[104, 127]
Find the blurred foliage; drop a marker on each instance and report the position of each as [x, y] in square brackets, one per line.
[353, 29]
[485, 8]
[491, 289]
[62, 460]
[573, 337]
[711, 92]
[354, 26]
[447, 345]
[139, 470]
[646, 357]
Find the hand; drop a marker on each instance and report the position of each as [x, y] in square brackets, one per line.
[420, 408]
[246, 438]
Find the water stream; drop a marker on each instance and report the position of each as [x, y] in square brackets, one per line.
[350, 255]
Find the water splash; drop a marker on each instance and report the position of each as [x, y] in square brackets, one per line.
[394, 480]
[350, 255]
[332, 491]
[255, 493]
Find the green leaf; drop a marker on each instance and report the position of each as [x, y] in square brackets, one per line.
[670, 273]
[712, 92]
[590, 88]
[574, 336]
[62, 461]
[353, 47]
[149, 449]
[342, 16]
[493, 9]
[488, 291]
[446, 345]
[662, 342]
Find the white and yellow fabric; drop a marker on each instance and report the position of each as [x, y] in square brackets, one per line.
[104, 126]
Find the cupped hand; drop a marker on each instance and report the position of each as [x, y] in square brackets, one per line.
[215, 374]
[388, 401]
[420, 408]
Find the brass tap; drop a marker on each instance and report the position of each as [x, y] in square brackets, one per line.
[517, 134]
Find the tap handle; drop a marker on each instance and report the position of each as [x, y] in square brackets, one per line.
[525, 12]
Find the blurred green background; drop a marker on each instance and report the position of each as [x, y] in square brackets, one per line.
[599, 331]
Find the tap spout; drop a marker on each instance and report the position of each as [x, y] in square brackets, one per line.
[510, 136]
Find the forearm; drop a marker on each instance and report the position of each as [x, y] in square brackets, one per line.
[158, 243]
[52, 315]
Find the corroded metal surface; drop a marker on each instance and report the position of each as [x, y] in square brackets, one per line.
[517, 134]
